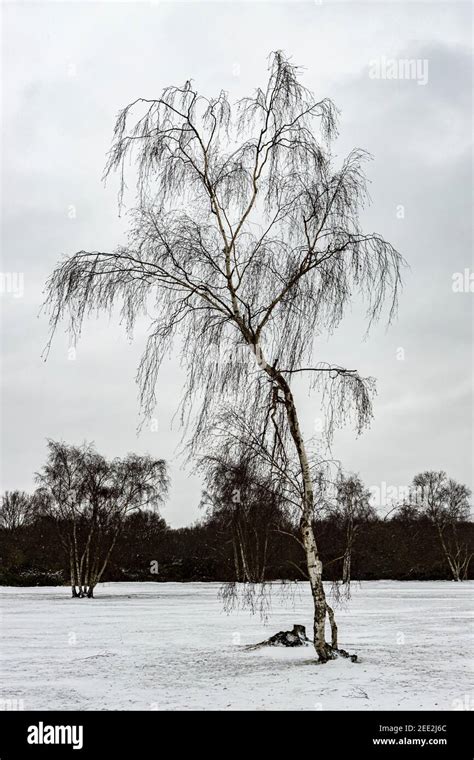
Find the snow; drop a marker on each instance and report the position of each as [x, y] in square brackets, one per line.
[171, 646]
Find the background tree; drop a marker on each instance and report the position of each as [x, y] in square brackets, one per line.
[350, 511]
[244, 234]
[89, 498]
[15, 509]
[246, 507]
[446, 505]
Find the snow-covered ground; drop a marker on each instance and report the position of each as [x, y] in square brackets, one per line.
[170, 646]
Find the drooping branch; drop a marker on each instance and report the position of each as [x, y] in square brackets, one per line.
[246, 241]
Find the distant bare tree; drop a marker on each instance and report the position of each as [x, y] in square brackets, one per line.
[89, 498]
[446, 504]
[245, 234]
[15, 509]
[248, 507]
[351, 510]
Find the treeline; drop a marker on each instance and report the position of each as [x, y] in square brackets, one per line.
[92, 519]
[148, 550]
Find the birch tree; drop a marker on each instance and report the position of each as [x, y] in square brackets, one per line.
[89, 498]
[351, 510]
[446, 505]
[245, 233]
[247, 508]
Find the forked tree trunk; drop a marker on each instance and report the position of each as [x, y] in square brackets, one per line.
[99, 569]
[315, 573]
[313, 563]
[453, 566]
[87, 573]
[465, 567]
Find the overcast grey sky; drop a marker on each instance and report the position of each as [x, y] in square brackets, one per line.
[67, 68]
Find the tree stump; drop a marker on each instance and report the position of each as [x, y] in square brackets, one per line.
[298, 638]
[295, 638]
